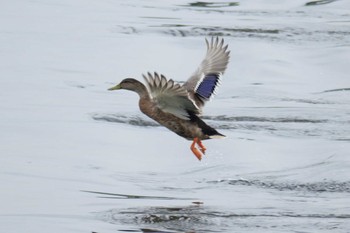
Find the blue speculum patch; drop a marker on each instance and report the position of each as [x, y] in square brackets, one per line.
[207, 86]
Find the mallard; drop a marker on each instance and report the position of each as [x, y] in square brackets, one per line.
[178, 107]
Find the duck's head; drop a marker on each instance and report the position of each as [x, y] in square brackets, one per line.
[131, 85]
[127, 84]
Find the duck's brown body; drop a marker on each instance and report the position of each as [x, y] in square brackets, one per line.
[189, 129]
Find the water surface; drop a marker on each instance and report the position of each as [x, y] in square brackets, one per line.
[77, 158]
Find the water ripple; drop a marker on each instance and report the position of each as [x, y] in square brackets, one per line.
[289, 126]
[131, 120]
[211, 4]
[130, 196]
[324, 186]
[141, 121]
[264, 119]
[197, 218]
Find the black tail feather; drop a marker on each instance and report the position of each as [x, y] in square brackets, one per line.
[206, 129]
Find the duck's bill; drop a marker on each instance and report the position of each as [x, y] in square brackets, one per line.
[117, 87]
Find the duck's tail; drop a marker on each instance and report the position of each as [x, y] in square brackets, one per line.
[206, 129]
[217, 136]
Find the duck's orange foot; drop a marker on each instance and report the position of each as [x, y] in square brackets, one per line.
[195, 150]
[197, 153]
[201, 146]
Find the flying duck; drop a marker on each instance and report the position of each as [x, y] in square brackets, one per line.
[178, 107]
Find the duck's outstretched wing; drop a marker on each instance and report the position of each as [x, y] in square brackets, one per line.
[205, 80]
[170, 97]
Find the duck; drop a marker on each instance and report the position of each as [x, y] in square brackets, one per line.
[178, 106]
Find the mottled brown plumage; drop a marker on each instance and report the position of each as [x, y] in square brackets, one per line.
[178, 107]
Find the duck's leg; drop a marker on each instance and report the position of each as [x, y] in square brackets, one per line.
[194, 149]
[201, 146]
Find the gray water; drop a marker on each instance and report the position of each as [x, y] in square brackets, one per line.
[77, 158]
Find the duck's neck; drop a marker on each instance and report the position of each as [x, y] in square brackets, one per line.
[145, 103]
[140, 89]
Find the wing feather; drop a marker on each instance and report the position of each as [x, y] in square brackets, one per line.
[204, 81]
[169, 96]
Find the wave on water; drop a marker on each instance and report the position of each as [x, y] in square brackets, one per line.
[291, 32]
[322, 186]
[130, 196]
[143, 121]
[289, 126]
[230, 4]
[199, 218]
[286, 34]
[130, 120]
